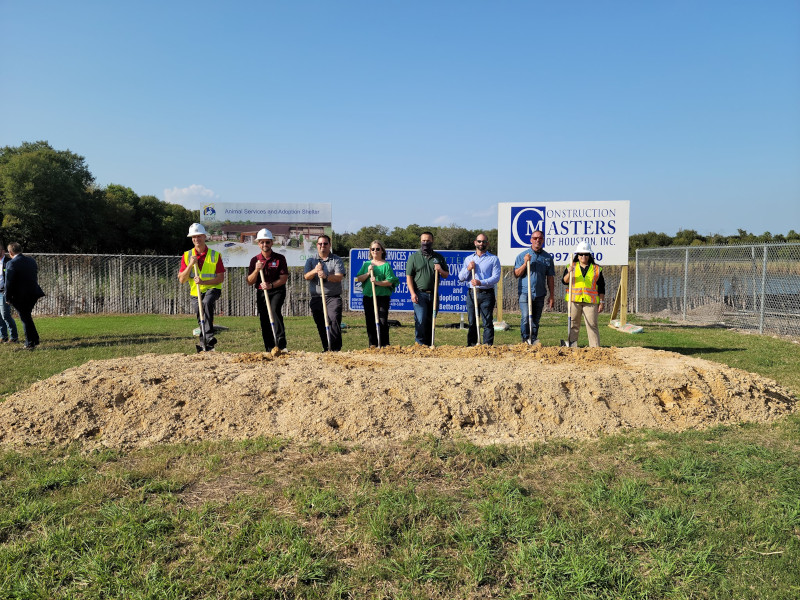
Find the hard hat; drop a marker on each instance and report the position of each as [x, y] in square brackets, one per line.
[196, 229]
[583, 247]
[264, 234]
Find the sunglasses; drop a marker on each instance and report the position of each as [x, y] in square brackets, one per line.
[583, 254]
[481, 241]
[323, 244]
[377, 249]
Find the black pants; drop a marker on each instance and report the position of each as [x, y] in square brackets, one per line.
[334, 306]
[486, 310]
[276, 298]
[383, 319]
[24, 309]
[209, 300]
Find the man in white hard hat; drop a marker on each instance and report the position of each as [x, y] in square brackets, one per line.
[543, 273]
[207, 282]
[276, 274]
[588, 293]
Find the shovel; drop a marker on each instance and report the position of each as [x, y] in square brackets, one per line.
[204, 347]
[530, 305]
[375, 308]
[275, 350]
[325, 311]
[475, 302]
[435, 304]
[569, 316]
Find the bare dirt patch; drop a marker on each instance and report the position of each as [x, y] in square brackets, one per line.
[501, 394]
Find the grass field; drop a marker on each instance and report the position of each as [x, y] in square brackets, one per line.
[712, 514]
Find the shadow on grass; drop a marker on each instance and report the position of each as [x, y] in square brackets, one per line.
[690, 351]
[106, 341]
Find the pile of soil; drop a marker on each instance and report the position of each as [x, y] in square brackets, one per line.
[502, 394]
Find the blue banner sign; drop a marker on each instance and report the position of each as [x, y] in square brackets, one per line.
[452, 292]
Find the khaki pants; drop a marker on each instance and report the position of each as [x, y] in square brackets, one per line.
[589, 312]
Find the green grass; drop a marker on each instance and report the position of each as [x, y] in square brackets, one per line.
[700, 514]
[713, 514]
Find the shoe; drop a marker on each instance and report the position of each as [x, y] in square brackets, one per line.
[5, 340]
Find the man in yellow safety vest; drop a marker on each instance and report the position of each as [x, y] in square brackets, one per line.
[205, 282]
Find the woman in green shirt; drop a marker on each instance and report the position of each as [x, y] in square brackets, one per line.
[379, 271]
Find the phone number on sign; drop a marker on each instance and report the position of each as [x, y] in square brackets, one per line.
[566, 256]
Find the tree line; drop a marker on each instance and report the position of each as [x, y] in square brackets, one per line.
[49, 203]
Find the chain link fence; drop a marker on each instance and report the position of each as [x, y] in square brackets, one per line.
[124, 284]
[102, 283]
[747, 287]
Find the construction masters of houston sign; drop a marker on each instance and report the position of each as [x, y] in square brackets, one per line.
[565, 224]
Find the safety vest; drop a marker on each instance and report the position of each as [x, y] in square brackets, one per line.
[207, 271]
[584, 287]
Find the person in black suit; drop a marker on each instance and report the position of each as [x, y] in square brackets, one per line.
[8, 327]
[23, 291]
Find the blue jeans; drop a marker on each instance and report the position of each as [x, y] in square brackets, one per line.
[423, 318]
[7, 323]
[486, 310]
[537, 307]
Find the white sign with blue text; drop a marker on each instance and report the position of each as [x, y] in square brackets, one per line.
[564, 224]
[452, 292]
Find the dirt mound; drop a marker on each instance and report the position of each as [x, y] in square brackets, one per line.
[513, 394]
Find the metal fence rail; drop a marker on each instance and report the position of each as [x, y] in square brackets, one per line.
[748, 287]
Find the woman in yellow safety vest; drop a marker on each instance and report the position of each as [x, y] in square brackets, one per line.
[588, 293]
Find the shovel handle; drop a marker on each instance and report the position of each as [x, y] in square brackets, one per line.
[530, 303]
[435, 304]
[375, 308]
[200, 314]
[325, 311]
[475, 302]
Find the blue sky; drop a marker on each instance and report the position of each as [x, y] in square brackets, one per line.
[400, 112]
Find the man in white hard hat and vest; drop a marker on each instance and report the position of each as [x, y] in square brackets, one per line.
[588, 293]
[207, 282]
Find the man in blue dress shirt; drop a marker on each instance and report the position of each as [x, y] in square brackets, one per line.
[486, 276]
[542, 272]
